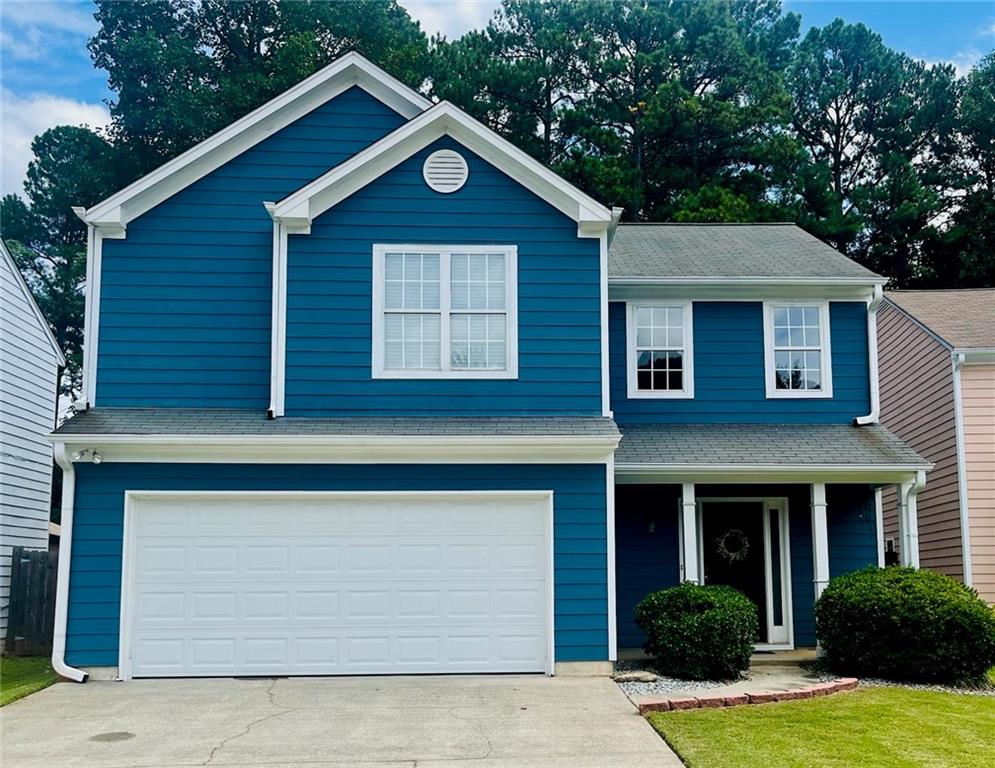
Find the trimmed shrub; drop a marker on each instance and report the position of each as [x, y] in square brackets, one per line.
[904, 624]
[699, 633]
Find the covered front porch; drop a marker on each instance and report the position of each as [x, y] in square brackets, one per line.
[773, 511]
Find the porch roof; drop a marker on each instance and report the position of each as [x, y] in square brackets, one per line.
[808, 452]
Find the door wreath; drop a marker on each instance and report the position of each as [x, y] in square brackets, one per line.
[732, 545]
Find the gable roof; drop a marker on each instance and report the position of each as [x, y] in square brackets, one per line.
[762, 252]
[964, 317]
[352, 69]
[300, 208]
[23, 286]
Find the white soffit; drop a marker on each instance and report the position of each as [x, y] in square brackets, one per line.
[350, 70]
[299, 209]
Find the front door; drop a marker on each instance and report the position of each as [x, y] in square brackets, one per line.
[743, 544]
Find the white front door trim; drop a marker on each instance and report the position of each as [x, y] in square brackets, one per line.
[782, 637]
[129, 542]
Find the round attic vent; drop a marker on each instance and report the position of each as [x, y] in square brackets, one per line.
[445, 171]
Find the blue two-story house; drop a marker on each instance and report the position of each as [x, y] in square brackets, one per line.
[369, 390]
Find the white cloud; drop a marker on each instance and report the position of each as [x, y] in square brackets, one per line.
[450, 17]
[21, 119]
[75, 18]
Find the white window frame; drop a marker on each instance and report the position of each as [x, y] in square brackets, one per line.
[631, 358]
[445, 252]
[825, 351]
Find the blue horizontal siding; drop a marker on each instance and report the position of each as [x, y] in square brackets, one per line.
[580, 546]
[645, 560]
[729, 371]
[852, 524]
[185, 299]
[329, 298]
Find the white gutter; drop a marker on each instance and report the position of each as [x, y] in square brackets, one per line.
[958, 359]
[65, 558]
[872, 357]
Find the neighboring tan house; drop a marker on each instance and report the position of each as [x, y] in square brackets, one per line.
[29, 366]
[937, 371]
[369, 390]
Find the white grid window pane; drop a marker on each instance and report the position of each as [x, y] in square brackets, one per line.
[660, 348]
[477, 280]
[797, 348]
[411, 281]
[478, 341]
[412, 341]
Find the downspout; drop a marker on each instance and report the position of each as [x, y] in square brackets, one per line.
[65, 558]
[872, 357]
[965, 520]
[912, 516]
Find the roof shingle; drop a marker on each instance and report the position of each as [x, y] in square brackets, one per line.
[211, 421]
[726, 251]
[764, 444]
[964, 318]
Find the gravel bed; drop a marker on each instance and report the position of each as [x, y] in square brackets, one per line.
[873, 682]
[663, 685]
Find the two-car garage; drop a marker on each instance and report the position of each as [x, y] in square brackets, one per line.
[333, 583]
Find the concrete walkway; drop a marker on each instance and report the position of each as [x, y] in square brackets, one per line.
[389, 722]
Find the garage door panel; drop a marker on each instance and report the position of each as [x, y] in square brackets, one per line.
[339, 587]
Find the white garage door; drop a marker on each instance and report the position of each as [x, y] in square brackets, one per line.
[332, 584]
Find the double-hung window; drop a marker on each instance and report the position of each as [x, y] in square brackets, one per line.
[659, 357]
[796, 349]
[445, 312]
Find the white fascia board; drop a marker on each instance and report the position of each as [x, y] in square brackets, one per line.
[18, 278]
[444, 119]
[346, 449]
[345, 72]
[767, 473]
[741, 288]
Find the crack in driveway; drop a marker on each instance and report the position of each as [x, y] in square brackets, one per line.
[249, 726]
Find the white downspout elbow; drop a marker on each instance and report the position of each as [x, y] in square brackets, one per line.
[912, 512]
[872, 358]
[65, 558]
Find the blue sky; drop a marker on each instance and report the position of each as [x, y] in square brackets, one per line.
[46, 77]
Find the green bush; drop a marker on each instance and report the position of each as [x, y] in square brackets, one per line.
[699, 633]
[904, 624]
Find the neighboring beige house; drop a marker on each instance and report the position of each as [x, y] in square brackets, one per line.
[937, 382]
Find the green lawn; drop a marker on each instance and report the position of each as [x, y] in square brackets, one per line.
[869, 727]
[21, 676]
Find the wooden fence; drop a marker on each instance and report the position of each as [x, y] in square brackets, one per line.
[31, 610]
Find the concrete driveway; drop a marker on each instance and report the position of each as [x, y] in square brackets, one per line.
[386, 722]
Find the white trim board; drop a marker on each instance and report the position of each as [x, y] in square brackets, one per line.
[883, 474]
[131, 496]
[346, 449]
[345, 72]
[300, 208]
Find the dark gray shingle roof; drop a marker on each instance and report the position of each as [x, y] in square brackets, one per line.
[204, 422]
[725, 250]
[963, 317]
[764, 444]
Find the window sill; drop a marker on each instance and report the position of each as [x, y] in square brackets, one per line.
[415, 374]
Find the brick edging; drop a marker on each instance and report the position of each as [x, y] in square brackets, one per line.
[750, 697]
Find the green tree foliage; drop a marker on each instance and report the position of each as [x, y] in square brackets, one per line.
[183, 70]
[878, 129]
[673, 110]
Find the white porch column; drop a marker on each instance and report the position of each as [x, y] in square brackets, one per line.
[820, 538]
[689, 534]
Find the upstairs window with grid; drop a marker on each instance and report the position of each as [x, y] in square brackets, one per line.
[798, 350]
[445, 312]
[660, 351]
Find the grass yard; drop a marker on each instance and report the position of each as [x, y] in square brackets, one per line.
[21, 676]
[869, 727]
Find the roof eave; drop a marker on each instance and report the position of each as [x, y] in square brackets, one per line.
[113, 214]
[303, 206]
